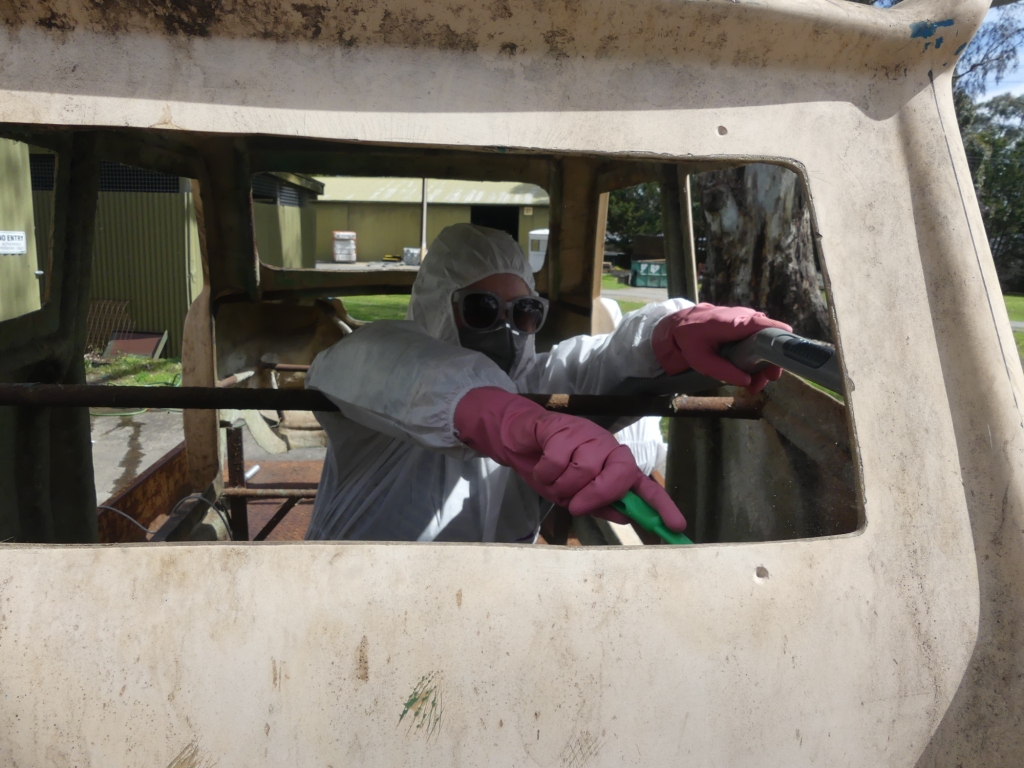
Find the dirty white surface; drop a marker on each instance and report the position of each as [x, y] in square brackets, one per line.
[833, 652]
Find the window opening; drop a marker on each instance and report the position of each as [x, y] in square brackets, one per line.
[759, 477]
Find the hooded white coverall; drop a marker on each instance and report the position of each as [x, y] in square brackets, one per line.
[395, 468]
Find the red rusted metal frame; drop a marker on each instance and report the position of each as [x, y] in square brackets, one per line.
[151, 494]
[236, 477]
[283, 510]
[269, 493]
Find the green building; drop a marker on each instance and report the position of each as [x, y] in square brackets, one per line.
[20, 286]
[284, 218]
[385, 213]
[146, 241]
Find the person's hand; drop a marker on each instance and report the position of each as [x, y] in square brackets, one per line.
[567, 460]
[690, 338]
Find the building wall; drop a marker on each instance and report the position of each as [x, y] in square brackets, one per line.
[539, 220]
[386, 228]
[307, 216]
[42, 212]
[19, 286]
[268, 233]
[146, 251]
[283, 233]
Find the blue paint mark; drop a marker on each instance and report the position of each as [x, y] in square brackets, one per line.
[959, 50]
[926, 46]
[927, 28]
[938, 42]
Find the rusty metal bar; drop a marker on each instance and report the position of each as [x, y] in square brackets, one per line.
[57, 395]
[742, 407]
[270, 493]
[286, 367]
[283, 510]
[236, 477]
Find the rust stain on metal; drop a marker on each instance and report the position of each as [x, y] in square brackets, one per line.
[739, 407]
[363, 660]
[152, 494]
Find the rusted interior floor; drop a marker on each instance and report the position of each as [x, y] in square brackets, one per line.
[306, 474]
[282, 474]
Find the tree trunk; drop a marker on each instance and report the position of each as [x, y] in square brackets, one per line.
[760, 250]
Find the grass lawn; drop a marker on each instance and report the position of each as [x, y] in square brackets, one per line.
[384, 307]
[629, 306]
[1018, 336]
[131, 370]
[1015, 307]
[611, 283]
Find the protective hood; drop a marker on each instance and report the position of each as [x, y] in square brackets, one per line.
[461, 255]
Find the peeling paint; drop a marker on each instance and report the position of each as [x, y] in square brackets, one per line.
[928, 28]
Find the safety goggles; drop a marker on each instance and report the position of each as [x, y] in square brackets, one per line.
[485, 311]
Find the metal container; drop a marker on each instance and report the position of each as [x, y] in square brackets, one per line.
[344, 247]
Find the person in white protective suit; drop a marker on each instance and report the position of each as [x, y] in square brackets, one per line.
[643, 437]
[432, 441]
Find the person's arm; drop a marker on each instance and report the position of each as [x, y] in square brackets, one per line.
[593, 365]
[392, 377]
[671, 337]
[567, 460]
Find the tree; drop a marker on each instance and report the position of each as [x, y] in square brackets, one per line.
[760, 249]
[759, 241]
[633, 211]
[993, 134]
[992, 52]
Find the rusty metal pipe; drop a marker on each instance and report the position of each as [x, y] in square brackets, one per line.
[84, 395]
[269, 493]
[286, 367]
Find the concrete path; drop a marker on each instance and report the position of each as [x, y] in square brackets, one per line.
[647, 295]
[123, 447]
[1017, 325]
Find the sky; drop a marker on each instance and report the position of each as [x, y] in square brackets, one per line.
[1013, 82]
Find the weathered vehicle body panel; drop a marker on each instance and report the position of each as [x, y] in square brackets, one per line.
[836, 651]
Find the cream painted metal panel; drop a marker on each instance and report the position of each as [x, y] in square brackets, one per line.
[844, 651]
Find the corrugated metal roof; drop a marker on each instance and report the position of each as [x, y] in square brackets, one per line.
[363, 189]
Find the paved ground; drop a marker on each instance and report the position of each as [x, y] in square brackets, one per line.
[1017, 325]
[637, 294]
[124, 446]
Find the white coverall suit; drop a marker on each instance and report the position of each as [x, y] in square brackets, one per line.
[395, 468]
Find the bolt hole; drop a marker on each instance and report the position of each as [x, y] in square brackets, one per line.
[761, 573]
[722, 130]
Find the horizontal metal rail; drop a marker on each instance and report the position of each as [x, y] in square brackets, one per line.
[205, 398]
[269, 493]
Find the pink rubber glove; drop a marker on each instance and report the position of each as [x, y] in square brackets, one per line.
[566, 459]
[690, 338]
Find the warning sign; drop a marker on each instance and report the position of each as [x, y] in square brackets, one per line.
[13, 243]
